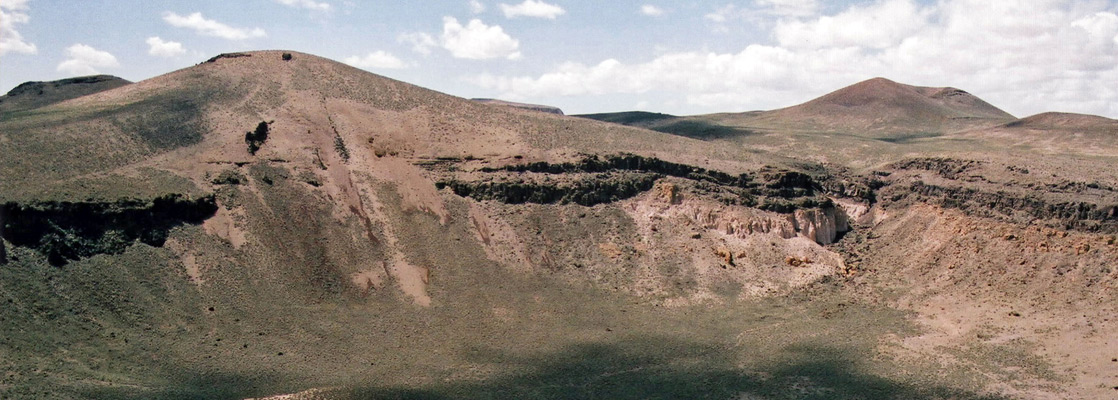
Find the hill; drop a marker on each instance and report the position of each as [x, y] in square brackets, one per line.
[1055, 133]
[29, 95]
[1064, 121]
[881, 107]
[877, 108]
[274, 223]
[533, 107]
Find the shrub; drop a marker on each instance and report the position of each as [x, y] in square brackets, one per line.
[256, 138]
[287, 56]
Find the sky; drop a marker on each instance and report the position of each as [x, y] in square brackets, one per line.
[675, 57]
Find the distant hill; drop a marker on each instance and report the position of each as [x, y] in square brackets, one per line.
[692, 127]
[881, 108]
[525, 106]
[632, 118]
[876, 108]
[1055, 132]
[30, 95]
[1064, 121]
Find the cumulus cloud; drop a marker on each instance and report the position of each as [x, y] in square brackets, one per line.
[379, 59]
[1024, 57]
[651, 10]
[307, 4]
[161, 48]
[1102, 27]
[14, 12]
[476, 7]
[478, 41]
[532, 8]
[420, 42]
[85, 60]
[209, 27]
[878, 25]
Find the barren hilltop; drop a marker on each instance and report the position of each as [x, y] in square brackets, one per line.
[274, 224]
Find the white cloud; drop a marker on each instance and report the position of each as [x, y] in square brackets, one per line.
[376, 60]
[878, 25]
[161, 48]
[420, 42]
[790, 8]
[476, 7]
[478, 41]
[85, 60]
[307, 4]
[1101, 26]
[1027, 58]
[209, 27]
[14, 12]
[532, 8]
[651, 10]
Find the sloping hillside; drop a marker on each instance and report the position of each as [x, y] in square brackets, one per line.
[262, 224]
[29, 95]
[882, 108]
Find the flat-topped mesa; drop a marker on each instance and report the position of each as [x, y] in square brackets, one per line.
[523, 106]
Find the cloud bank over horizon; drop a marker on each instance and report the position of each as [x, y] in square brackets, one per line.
[705, 56]
[1025, 57]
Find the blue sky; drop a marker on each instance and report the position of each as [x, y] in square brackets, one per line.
[590, 56]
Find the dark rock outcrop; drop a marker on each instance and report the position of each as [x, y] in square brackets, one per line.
[227, 55]
[603, 179]
[66, 231]
[1009, 206]
[950, 168]
[593, 190]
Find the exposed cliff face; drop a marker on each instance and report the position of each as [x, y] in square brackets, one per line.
[66, 231]
[1022, 208]
[963, 185]
[787, 203]
[616, 177]
[590, 190]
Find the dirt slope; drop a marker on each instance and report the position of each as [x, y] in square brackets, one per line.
[256, 226]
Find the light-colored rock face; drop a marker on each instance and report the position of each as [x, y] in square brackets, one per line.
[738, 243]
